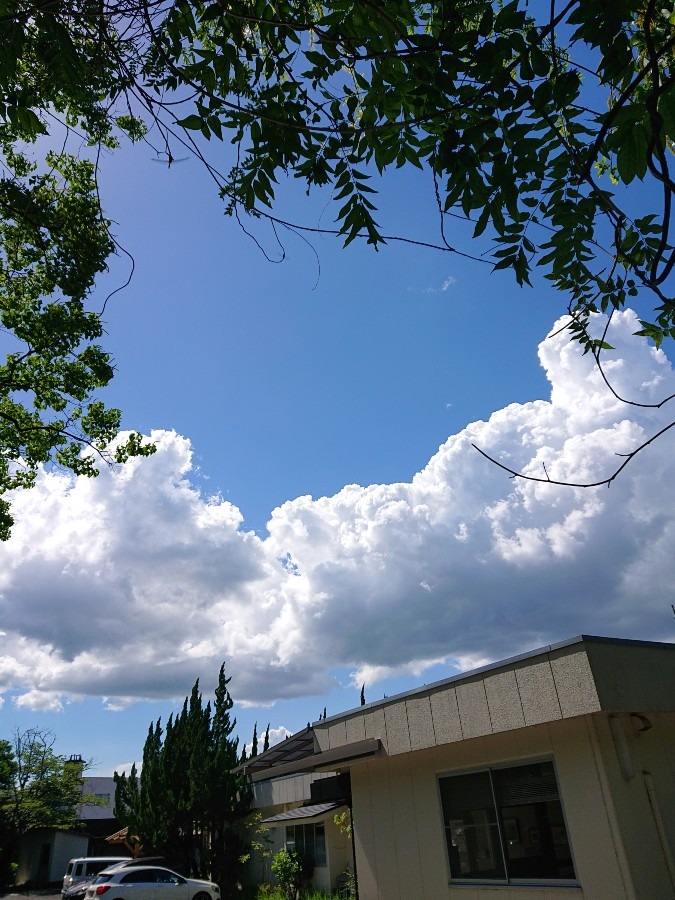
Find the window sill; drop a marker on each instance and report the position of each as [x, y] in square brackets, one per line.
[560, 884]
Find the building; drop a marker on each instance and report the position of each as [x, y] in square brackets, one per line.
[297, 812]
[548, 775]
[44, 852]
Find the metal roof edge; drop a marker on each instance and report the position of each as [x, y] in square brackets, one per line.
[326, 760]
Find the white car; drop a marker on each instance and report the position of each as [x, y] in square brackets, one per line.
[149, 883]
[86, 867]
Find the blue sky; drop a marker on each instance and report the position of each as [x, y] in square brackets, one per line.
[316, 361]
[315, 515]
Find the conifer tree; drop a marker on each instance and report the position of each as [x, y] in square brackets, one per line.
[187, 804]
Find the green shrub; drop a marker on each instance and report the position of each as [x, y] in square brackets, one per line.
[287, 869]
[269, 892]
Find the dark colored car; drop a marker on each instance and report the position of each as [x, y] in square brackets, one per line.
[77, 891]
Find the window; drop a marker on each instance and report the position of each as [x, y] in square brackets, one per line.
[138, 876]
[93, 868]
[506, 825]
[164, 876]
[309, 841]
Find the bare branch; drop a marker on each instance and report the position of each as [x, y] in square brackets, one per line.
[579, 484]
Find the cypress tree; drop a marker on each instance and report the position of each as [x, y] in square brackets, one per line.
[187, 805]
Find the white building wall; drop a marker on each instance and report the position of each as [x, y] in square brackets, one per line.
[62, 846]
[104, 788]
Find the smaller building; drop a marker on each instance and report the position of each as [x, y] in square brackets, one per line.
[298, 812]
[44, 852]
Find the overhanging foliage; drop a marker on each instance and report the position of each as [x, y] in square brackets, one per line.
[549, 127]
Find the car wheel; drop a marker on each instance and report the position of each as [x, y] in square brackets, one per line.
[202, 896]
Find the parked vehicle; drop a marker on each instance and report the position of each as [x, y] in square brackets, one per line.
[86, 867]
[149, 883]
[77, 891]
[161, 862]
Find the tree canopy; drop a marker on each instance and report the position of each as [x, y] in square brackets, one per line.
[38, 789]
[546, 131]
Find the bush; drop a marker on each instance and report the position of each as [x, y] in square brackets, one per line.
[287, 869]
[269, 892]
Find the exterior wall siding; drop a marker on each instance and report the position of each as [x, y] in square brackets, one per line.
[647, 823]
[400, 842]
[291, 790]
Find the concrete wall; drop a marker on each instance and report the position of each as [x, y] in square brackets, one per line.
[631, 676]
[580, 678]
[544, 688]
[400, 842]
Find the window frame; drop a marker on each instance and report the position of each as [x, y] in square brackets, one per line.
[294, 825]
[505, 882]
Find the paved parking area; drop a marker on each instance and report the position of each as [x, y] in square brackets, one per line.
[53, 894]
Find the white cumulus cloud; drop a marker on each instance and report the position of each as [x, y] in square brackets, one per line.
[133, 584]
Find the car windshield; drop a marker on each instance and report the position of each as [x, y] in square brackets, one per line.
[103, 877]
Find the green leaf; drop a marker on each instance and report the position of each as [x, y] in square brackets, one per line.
[192, 122]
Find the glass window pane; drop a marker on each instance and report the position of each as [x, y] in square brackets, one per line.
[309, 840]
[525, 784]
[138, 876]
[308, 849]
[471, 829]
[319, 844]
[535, 838]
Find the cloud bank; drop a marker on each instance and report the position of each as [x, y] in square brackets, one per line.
[132, 584]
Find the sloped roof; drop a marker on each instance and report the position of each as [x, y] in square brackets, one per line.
[293, 748]
[580, 676]
[304, 812]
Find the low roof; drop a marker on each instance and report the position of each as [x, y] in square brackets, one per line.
[294, 747]
[312, 761]
[304, 813]
[580, 676]
[586, 639]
